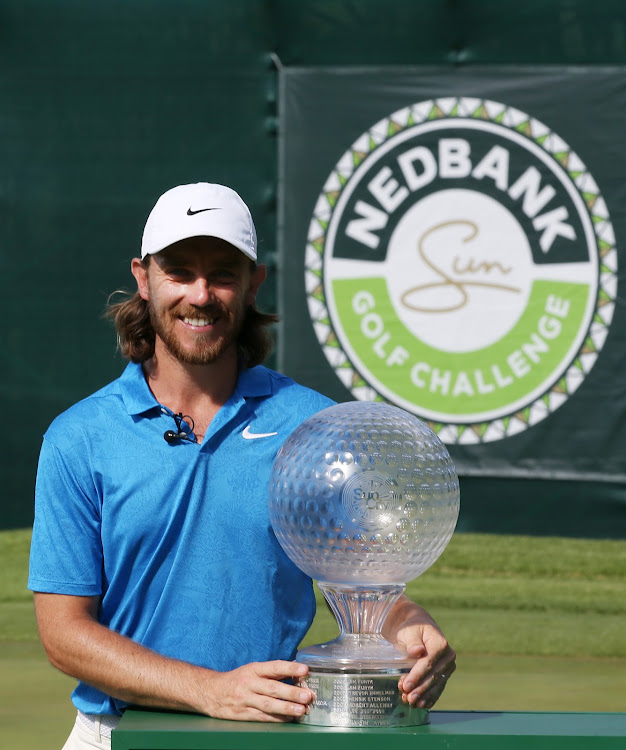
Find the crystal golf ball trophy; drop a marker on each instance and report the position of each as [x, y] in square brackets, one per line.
[363, 497]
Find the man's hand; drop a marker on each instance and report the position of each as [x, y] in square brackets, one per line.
[86, 650]
[255, 692]
[435, 663]
[413, 629]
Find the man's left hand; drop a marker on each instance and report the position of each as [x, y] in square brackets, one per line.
[418, 633]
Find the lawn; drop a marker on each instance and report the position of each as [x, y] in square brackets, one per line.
[537, 624]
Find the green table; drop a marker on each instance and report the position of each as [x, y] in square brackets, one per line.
[449, 730]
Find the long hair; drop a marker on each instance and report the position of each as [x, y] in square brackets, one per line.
[136, 336]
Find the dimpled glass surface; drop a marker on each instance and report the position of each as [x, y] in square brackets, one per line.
[363, 493]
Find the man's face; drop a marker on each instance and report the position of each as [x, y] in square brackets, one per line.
[198, 291]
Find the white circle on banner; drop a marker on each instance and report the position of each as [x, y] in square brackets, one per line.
[473, 287]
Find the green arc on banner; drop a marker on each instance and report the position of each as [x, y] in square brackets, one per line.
[527, 360]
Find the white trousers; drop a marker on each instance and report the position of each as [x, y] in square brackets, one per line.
[83, 737]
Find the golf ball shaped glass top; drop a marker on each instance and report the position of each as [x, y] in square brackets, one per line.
[365, 493]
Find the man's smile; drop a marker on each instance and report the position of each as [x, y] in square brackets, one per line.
[198, 322]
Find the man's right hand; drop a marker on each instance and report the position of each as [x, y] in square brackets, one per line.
[86, 650]
[256, 692]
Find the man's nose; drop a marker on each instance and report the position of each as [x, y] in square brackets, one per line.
[200, 292]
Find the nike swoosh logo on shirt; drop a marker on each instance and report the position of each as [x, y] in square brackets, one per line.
[254, 435]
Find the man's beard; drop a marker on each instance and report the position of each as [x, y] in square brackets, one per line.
[203, 352]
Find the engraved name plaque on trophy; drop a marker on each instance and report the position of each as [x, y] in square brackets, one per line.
[363, 497]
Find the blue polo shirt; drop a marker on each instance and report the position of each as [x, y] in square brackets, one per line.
[174, 538]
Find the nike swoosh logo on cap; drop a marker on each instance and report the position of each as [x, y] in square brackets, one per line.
[254, 435]
[190, 212]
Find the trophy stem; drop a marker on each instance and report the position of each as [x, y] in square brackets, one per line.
[360, 609]
[360, 646]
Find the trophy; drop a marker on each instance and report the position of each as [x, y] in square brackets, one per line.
[363, 497]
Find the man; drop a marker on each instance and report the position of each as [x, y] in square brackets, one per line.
[158, 580]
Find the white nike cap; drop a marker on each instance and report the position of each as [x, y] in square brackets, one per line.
[199, 210]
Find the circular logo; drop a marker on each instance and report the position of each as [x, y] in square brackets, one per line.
[370, 500]
[461, 264]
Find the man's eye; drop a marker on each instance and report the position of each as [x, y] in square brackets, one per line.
[225, 275]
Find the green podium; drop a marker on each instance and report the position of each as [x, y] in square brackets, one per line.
[448, 730]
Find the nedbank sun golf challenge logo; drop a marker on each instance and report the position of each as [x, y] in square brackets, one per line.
[461, 264]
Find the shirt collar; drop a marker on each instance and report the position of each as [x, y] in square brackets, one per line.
[138, 398]
[255, 381]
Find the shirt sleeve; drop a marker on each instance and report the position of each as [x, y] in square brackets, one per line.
[66, 550]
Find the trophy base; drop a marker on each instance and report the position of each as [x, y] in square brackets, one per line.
[359, 699]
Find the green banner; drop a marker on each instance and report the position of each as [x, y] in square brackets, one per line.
[450, 243]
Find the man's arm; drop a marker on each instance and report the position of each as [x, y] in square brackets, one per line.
[410, 626]
[81, 647]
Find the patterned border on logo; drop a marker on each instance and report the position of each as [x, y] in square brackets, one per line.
[463, 108]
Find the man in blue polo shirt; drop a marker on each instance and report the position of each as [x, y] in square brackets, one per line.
[158, 580]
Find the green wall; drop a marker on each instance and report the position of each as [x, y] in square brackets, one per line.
[103, 106]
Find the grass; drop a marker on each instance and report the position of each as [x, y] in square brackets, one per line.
[526, 596]
[538, 624]
[35, 709]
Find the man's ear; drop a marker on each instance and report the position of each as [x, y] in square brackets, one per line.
[140, 272]
[259, 274]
